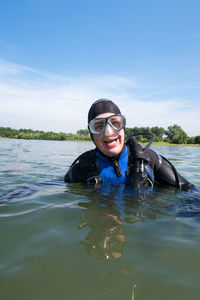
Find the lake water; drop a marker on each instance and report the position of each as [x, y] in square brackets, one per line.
[70, 241]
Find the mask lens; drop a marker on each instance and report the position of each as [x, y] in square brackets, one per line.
[117, 122]
[99, 125]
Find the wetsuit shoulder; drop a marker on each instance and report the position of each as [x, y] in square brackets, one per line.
[166, 173]
[82, 168]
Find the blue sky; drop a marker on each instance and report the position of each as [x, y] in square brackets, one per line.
[58, 56]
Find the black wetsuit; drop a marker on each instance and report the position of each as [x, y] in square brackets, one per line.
[133, 166]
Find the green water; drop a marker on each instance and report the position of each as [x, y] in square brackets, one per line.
[79, 242]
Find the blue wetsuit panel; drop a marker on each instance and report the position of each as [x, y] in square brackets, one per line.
[107, 170]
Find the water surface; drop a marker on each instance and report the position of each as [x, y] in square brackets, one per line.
[78, 242]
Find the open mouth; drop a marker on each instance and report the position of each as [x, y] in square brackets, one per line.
[110, 142]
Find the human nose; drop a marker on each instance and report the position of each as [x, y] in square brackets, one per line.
[109, 131]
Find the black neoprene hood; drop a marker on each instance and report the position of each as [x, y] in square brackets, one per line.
[102, 106]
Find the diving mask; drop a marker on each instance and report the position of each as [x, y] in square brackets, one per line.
[98, 125]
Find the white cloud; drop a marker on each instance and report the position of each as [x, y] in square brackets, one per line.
[33, 99]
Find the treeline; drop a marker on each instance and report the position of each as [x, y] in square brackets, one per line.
[29, 134]
[174, 134]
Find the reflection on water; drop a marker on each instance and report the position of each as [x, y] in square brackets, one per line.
[73, 241]
[108, 209]
[107, 235]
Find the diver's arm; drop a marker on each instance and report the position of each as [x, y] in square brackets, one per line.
[76, 173]
[83, 168]
[165, 172]
[68, 176]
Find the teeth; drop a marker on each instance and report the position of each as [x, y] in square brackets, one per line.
[111, 141]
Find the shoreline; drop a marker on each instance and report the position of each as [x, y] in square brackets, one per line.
[154, 143]
[179, 145]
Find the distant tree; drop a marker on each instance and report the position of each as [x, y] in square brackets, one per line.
[158, 132]
[166, 140]
[197, 139]
[191, 140]
[141, 133]
[176, 134]
[133, 131]
[129, 132]
[83, 132]
[180, 138]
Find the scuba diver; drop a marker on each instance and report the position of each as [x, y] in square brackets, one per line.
[117, 162]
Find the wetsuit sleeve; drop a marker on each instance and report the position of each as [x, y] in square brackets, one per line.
[165, 172]
[72, 174]
[77, 172]
[83, 168]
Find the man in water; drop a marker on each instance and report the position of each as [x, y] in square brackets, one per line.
[115, 162]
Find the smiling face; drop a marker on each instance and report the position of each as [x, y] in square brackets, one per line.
[110, 142]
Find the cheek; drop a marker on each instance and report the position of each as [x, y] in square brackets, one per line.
[122, 136]
[96, 139]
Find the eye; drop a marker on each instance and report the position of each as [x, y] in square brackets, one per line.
[117, 122]
[98, 125]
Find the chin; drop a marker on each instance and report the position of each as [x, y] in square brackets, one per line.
[113, 152]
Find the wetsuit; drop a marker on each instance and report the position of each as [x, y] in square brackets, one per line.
[132, 166]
